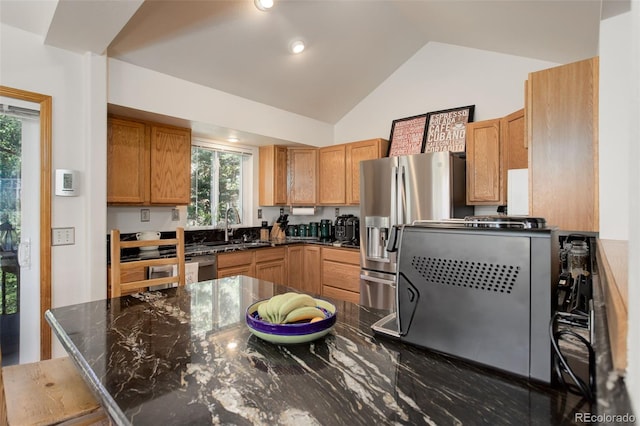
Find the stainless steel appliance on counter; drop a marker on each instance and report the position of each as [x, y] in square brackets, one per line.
[482, 289]
[396, 191]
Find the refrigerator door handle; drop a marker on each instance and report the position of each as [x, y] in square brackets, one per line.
[394, 196]
[392, 244]
[391, 283]
[402, 197]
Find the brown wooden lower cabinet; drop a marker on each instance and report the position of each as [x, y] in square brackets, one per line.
[236, 263]
[295, 266]
[311, 276]
[341, 274]
[308, 268]
[270, 264]
[248, 270]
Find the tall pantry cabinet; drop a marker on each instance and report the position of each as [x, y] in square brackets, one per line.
[562, 131]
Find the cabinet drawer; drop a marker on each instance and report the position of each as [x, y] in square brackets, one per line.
[226, 260]
[247, 270]
[349, 256]
[267, 254]
[340, 275]
[336, 293]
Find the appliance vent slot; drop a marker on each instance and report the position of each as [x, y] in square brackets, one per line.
[461, 273]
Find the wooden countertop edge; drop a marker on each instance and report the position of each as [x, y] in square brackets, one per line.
[612, 256]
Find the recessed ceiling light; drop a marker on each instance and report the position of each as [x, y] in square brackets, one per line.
[233, 139]
[263, 5]
[297, 46]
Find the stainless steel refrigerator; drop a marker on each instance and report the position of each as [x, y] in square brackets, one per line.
[396, 191]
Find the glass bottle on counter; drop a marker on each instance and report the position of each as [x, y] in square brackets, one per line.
[578, 259]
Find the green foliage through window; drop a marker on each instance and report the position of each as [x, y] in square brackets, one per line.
[216, 183]
[10, 173]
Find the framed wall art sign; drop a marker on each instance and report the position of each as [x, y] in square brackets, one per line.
[407, 135]
[446, 129]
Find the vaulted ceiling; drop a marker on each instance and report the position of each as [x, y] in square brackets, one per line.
[352, 45]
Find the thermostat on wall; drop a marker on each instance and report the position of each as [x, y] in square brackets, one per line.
[66, 182]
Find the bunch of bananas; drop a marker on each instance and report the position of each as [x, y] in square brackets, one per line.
[289, 307]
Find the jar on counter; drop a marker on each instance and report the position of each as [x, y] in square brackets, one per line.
[578, 259]
[313, 229]
[264, 231]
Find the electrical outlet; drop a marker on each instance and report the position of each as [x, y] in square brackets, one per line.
[281, 211]
[337, 211]
[175, 215]
[63, 236]
[259, 213]
[145, 215]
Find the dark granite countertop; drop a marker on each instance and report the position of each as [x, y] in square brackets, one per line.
[212, 248]
[185, 356]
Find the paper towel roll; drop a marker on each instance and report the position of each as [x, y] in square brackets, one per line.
[303, 211]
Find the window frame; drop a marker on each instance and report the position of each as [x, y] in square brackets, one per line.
[249, 155]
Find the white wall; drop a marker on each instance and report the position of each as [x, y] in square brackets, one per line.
[441, 76]
[137, 87]
[77, 84]
[616, 76]
[619, 156]
[633, 207]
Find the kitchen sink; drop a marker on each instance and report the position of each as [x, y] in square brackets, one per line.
[242, 246]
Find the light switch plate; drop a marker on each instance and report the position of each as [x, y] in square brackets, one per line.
[259, 213]
[63, 236]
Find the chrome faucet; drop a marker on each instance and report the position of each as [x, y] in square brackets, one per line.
[227, 230]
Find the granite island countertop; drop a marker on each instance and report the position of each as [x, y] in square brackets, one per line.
[185, 356]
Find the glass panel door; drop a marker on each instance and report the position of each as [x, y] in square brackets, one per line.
[19, 125]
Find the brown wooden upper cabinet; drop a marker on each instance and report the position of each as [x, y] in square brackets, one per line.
[272, 190]
[370, 149]
[339, 170]
[315, 176]
[302, 170]
[562, 120]
[127, 162]
[147, 163]
[331, 175]
[493, 147]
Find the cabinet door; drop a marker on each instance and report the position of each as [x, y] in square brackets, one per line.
[302, 176]
[341, 274]
[562, 116]
[516, 155]
[273, 271]
[272, 189]
[311, 270]
[484, 163]
[331, 175]
[295, 265]
[355, 153]
[170, 165]
[513, 137]
[127, 162]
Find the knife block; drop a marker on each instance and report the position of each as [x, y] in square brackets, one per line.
[277, 234]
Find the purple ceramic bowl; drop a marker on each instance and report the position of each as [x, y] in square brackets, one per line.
[291, 333]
